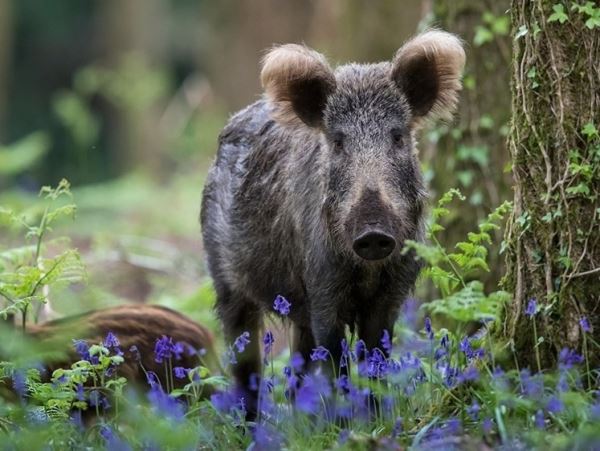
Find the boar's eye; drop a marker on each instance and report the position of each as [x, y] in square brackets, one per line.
[398, 137]
[338, 142]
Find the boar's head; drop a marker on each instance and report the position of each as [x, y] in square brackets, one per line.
[367, 115]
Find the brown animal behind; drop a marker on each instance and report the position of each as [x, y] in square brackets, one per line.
[133, 325]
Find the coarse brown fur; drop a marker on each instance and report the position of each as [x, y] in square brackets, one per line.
[314, 191]
[134, 325]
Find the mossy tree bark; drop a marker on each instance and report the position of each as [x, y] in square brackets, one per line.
[553, 237]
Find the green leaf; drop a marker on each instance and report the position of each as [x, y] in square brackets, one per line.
[23, 154]
[559, 14]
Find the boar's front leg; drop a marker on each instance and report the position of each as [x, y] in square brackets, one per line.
[240, 315]
[373, 322]
[328, 331]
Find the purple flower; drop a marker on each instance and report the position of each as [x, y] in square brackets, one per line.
[563, 384]
[531, 386]
[83, 349]
[163, 349]
[313, 389]
[376, 364]
[282, 305]
[319, 353]
[539, 420]
[346, 353]
[595, 411]
[555, 405]
[266, 438]
[180, 372]
[531, 309]
[360, 350]
[242, 341]
[20, 383]
[297, 362]
[473, 410]
[178, 350]
[569, 357]
[487, 425]
[469, 374]
[386, 342]
[113, 442]
[79, 393]
[165, 404]
[268, 341]
[428, 329]
[98, 399]
[111, 341]
[152, 379]
[585, 325]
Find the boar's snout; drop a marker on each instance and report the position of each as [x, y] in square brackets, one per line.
[374, 245]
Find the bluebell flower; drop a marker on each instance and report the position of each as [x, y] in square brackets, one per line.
[346, 353]
[360, 350]
[319, 353]
[165, 404]
[297, 362]
[386, 342]
[531, 386]
[487, 425]
[180, 372]
[428, 328]
[470, 374]
[163, 349]
[19, 382]
[268, 341]
[242, 341]
[375, 364]
[555, 405]
[98, 399]
[595, 411]
[563, 384]
[473, 410]
[113, 441]
[531, 309]
[152, 379]
[79, 393]
[266, 438]
[281, 305]
[314, 388]
[178, 350]
[585, 325]
[539, 420]
[111, 341]
[83, 350]
[569, 357]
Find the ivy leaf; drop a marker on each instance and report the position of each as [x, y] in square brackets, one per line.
[559, 14]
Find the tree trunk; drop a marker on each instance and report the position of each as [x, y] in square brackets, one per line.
[5, 57]
[553, 238]
[472, 153]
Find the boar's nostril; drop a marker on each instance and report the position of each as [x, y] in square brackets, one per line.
[374, 245]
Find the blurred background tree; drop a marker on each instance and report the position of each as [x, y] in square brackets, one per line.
[126, 98]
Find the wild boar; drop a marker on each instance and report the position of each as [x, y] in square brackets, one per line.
[316, 187]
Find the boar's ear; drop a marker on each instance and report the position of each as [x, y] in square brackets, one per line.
[298, 81]
[428, 69]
